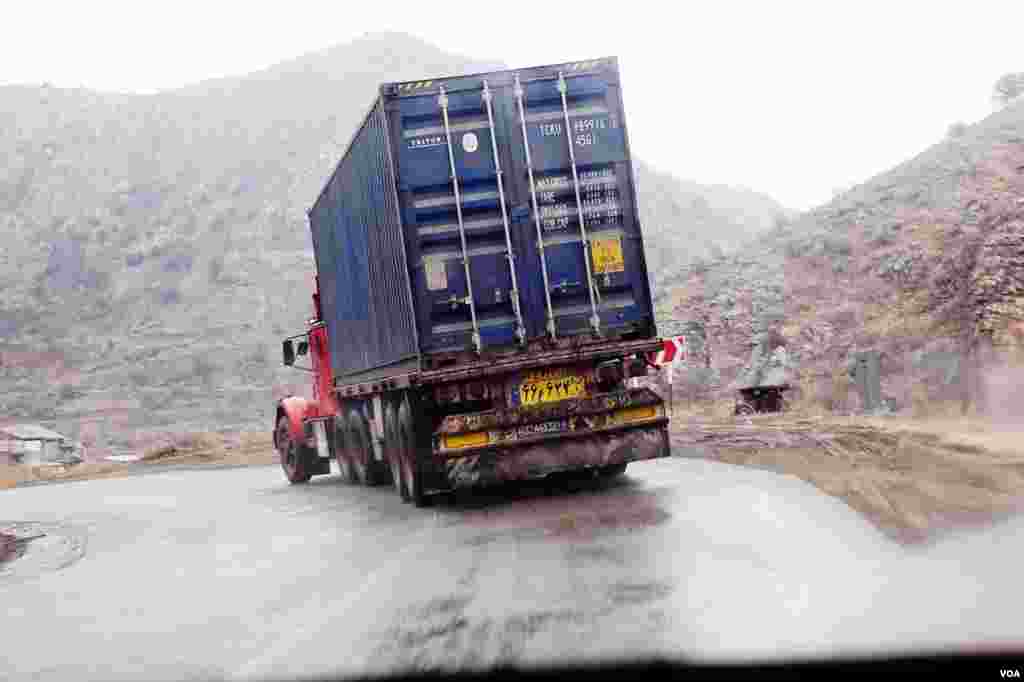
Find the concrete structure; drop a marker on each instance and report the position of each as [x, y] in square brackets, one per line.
[865, 370]
[32, 444]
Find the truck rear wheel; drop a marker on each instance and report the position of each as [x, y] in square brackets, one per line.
[393, 451]
[341, 450]
[361, 451]
[407, 449]
[295, 458]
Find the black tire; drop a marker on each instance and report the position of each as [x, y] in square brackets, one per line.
[295, 458]
[393, 451]
[368, 472]
[341, 450]
[612, 470]
[407, 444]
[358, 443]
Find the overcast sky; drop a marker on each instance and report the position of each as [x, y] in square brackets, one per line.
[792, 99]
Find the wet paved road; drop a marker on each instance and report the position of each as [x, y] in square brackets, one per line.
[234, 574]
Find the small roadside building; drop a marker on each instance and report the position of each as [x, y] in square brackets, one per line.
[32, 444]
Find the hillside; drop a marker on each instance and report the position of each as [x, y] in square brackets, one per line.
[156, 249]
[906, 263]
[683, 220]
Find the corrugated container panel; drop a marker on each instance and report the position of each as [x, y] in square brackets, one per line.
[357, 240]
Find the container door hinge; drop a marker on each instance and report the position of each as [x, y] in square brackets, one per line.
[442, 100]
[487, 96]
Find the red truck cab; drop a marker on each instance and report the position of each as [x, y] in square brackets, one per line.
[300, 434]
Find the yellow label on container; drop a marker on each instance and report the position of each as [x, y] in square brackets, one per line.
[607, 255]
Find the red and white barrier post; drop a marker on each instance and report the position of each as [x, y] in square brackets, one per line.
[672, 353]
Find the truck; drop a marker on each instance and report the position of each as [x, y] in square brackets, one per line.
[481, 299]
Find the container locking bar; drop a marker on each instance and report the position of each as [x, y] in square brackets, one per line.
[520, 329]
[595, 321]
[519, 93]
[443, 101]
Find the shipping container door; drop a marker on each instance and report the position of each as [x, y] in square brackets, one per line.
[467, 151]
[574, 188]
[458, 228]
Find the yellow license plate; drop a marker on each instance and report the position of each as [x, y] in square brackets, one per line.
[607, 255]
[466, 440]
[550, 387]
[635, 414]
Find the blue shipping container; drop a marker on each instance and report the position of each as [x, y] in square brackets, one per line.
[482, 213]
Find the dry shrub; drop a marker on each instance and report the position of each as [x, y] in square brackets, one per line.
[931, 236]
[159, 452]
[198, 441]
[185, 444]
[256, 439]
[920, 402]
[808, 396]
[935, 402]
[839, 397]
[722, 408]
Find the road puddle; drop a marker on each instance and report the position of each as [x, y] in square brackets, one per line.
[34, 548]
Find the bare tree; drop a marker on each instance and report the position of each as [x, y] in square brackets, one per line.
[971, 290]
[949, 301]
[1008, 87]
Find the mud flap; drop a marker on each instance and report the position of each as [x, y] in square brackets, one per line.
[557, 454]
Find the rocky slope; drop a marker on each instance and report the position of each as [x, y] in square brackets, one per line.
[916, 262]
[155, 247]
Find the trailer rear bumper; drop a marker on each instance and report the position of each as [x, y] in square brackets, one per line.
[562, 452]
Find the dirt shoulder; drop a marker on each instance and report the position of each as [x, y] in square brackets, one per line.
[914, 479]
[202, 449]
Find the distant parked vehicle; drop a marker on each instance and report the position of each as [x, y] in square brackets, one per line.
[761, 399]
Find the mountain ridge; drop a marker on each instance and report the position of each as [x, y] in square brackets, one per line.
[158, 242]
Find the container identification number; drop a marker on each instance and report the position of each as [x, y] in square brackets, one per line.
[585, 129]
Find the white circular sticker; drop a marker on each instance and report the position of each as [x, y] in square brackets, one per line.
[470, 143]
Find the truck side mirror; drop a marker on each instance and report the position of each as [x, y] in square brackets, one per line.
[289, 353]
[303, 347]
